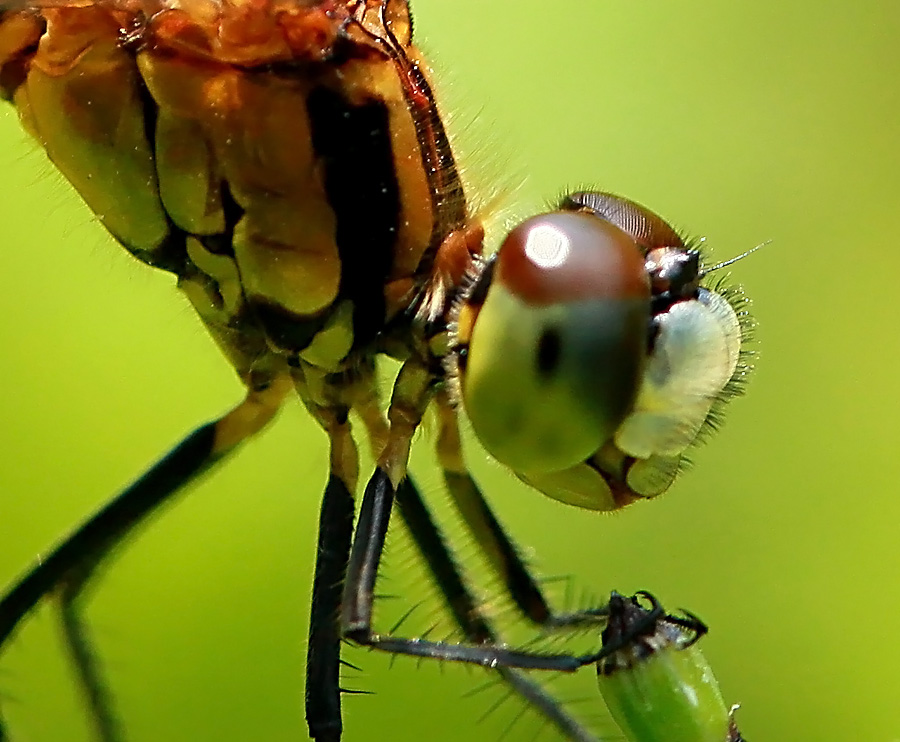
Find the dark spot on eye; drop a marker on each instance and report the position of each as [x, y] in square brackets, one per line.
[548, 352]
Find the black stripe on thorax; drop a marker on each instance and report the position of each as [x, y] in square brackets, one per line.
[353, 145]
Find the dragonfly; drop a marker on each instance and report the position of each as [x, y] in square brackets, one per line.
[288, 162]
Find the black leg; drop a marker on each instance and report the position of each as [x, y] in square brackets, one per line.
[71, 565]
[98, 696]
[441, 563]
[74, 561]
[356, 615]
[500, 552]
[503, 557]
[463, 606]
[323, 658]
[108, 526]
[365, 556]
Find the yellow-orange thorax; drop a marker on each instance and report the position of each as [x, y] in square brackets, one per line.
[285, 160]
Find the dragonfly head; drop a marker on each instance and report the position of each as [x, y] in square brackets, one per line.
[589, 357]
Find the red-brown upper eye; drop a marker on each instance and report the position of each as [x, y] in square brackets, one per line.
[648, 229]
[570, 256]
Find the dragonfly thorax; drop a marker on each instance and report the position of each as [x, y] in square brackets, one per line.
[284, 160]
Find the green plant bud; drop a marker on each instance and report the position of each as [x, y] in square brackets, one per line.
[655, 681]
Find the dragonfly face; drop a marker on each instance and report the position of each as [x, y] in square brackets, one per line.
[287, 162]
[596, 314]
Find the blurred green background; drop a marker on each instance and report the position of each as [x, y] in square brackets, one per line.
[740, 121]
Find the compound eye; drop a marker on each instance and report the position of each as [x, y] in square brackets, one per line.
[563, 257]
[557, 350]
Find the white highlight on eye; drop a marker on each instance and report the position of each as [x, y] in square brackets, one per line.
[547, 246]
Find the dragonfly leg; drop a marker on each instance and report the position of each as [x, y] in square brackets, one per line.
[329, 399]
[69, 568]
[356, 609]
[466, 612]
[323, 661]
[412, 392]
[500, 552]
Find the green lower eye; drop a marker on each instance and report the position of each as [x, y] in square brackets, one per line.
[545, 386]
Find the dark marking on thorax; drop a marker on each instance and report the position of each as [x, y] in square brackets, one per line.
[353, 144]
